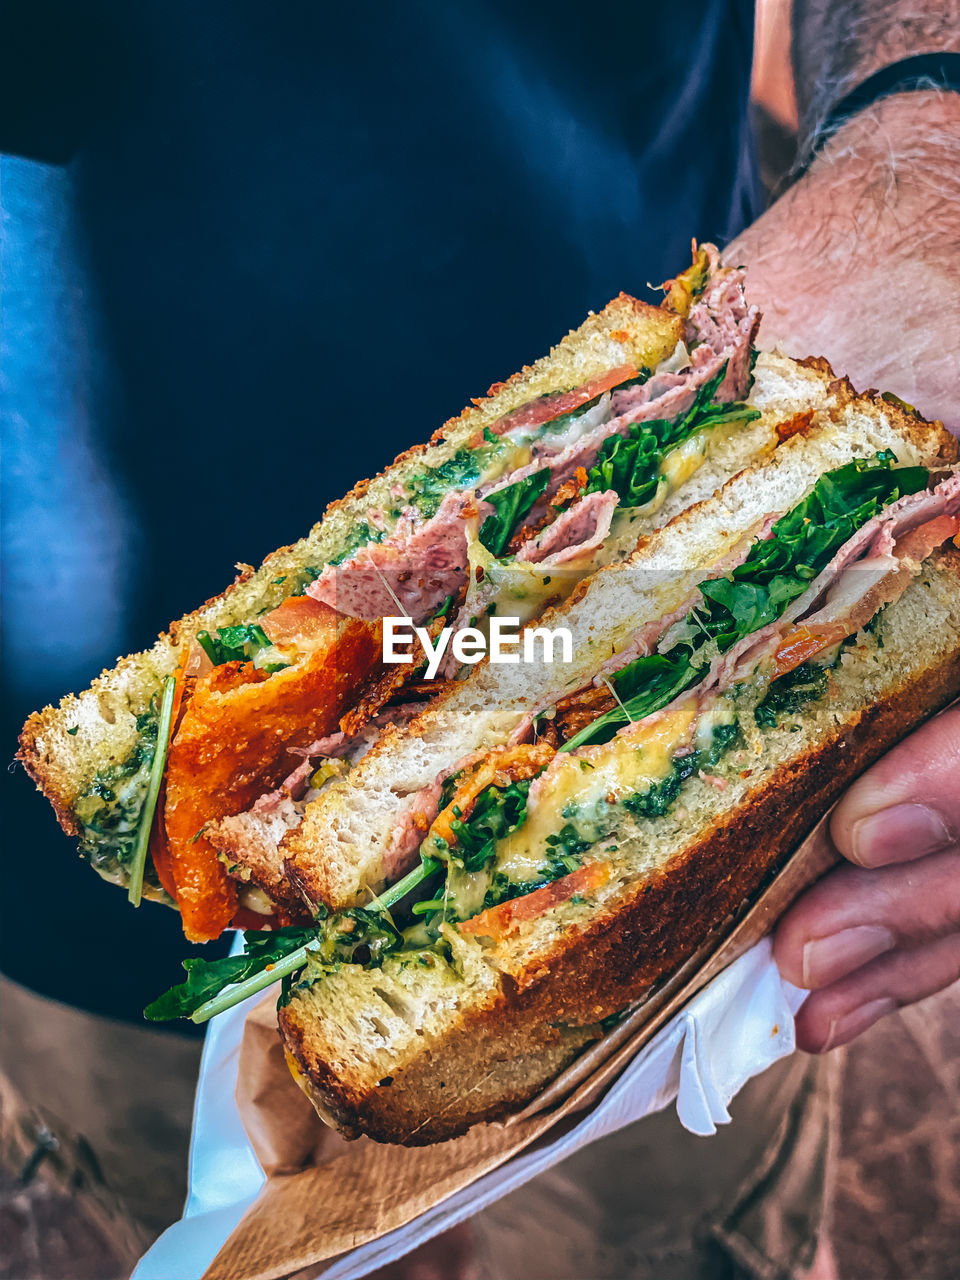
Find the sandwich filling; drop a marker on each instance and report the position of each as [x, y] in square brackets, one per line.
[516, 831]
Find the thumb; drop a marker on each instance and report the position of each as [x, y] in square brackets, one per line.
[908, 804]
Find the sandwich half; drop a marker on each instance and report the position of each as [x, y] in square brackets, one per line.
[280, 681]
[545, 842]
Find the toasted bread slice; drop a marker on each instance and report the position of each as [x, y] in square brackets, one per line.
[344, 846]
[63, 748]
[413, 1053]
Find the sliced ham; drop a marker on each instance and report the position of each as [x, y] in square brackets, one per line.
[576, 532]
[410, 574]
[334, 744]
[409, 832]
[871, 569]
[920, 542]
[423, 562]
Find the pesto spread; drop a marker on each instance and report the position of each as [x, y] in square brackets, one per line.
[108, 809]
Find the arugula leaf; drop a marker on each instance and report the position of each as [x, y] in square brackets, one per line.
[511, 504]
[138, 860]
[801, 544]
[631, 464]
[236, 644]
[498, 811]
[775, 573]
[208, 978]
[357, 935]
[377, 936]
[643, 686]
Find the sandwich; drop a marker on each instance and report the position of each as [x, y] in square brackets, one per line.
[502, 876]
[179, 767]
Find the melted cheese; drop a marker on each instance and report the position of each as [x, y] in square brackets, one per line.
[680, 463]
[585, 786]
[466, 891]
[513, 588]
[721, 713]
[503, 463]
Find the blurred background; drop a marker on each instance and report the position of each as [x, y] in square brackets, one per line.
[70, 1208]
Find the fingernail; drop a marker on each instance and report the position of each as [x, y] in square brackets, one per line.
[898, 834]
[827, 959]
[856, 1021]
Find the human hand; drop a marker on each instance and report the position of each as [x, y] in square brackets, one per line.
[883, 931]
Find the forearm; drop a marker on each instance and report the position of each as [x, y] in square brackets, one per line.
[860, 260]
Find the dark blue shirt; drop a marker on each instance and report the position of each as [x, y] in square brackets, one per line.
[258, 249]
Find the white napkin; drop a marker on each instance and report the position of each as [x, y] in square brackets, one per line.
[732, 1030]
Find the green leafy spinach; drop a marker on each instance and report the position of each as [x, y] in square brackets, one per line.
[806, 683]
[776, 572]
[511, 504]
[208, 978]
[801, 544]
[631, 464]
[497, 812]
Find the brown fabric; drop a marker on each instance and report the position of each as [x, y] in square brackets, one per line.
[782, 1208]
[657, 1203]
[123, 1093]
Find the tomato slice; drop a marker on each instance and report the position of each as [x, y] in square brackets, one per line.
[497, 922]
[548, 407]
[300, 618]
[800, 644]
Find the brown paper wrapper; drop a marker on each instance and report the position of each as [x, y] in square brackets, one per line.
[324, 1196]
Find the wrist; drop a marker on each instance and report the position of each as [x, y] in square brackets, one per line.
[912, 135]
[838, 46]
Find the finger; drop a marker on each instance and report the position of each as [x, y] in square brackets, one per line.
[908, 804]
[840, 1012]
[853, 915]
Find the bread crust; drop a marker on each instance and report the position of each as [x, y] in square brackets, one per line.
[596, 971]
